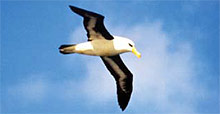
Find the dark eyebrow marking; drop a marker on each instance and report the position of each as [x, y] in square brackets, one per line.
[130, 45]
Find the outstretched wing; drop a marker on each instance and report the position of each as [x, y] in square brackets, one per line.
[93, 24]
[123, 78]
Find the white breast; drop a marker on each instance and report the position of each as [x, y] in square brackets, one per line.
[103, 47]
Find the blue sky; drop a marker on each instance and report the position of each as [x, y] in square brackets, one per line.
[178, 71]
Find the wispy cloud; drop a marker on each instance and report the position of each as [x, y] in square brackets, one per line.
[163, 77]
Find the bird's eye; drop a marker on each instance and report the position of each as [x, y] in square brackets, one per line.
[130, 45]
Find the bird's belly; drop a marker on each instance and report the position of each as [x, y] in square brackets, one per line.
[97, 48]
[100, 51]
[104, 48]
[103, 51]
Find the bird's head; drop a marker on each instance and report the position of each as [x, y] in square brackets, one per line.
[131, 47]
[127, 45]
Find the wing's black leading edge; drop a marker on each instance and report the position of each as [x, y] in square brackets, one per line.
[93, 23]
[123, 78]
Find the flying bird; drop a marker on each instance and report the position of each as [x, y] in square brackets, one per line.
[108, 47]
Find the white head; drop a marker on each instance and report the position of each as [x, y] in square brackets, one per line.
[125, 45]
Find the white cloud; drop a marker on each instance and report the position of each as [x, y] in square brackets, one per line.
[162, 77]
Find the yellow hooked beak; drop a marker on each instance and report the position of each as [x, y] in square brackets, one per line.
[136, 52]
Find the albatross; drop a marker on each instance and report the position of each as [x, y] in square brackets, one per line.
[108, 47]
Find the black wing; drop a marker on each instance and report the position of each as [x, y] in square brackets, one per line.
[123, 78]
[93, 24]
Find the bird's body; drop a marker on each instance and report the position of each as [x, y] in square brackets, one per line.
[102, 43]
[101, 47]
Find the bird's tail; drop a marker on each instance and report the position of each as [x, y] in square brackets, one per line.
[67, 49]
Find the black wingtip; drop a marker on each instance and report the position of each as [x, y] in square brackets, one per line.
[122, 108]
[77, 10]
[73, 7]
[82, 12]
[123, 99]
